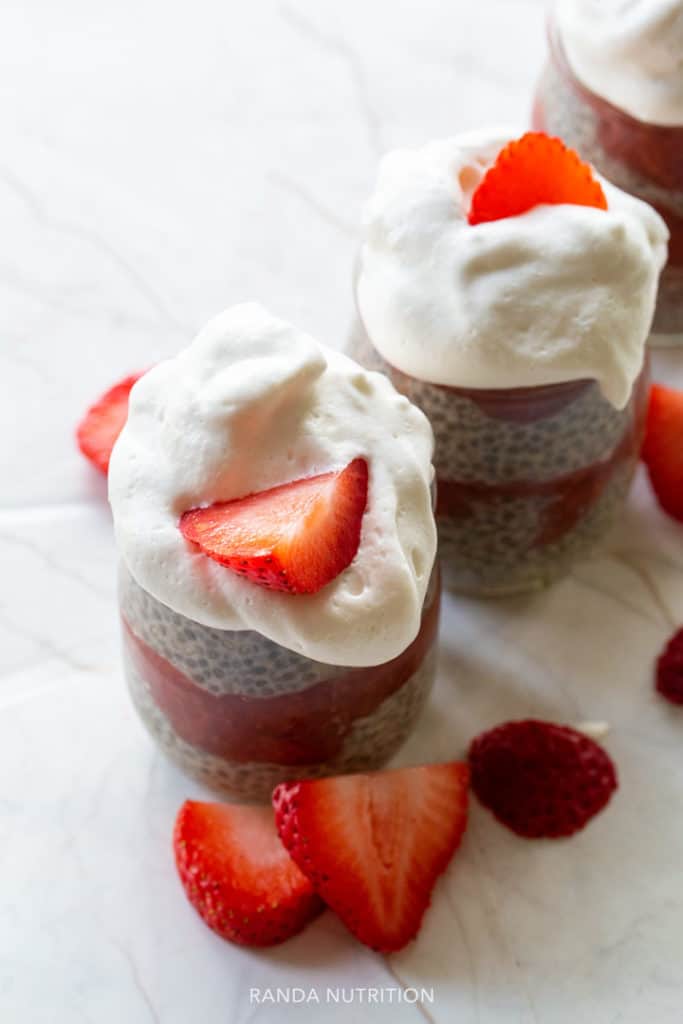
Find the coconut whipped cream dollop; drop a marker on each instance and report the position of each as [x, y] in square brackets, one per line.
[630, 52]
[558, 293]
[253, 403]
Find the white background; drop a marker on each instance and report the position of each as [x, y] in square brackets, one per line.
[159, 161]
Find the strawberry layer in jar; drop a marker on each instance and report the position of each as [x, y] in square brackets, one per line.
[613, 89]
[509, 293]
[242, 713]
[272, 505]
[529, 480]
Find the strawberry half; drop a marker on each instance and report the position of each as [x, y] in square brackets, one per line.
[663, 448]
[540, 779]
[669, 678]
[296, 537]
[238, 875]
[373, 845]
[535, 169]
[104, 421]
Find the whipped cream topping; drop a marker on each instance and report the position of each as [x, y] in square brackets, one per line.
[559, 293]
[253, 403]
[630, 52]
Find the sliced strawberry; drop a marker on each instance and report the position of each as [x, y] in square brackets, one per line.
[238, 875]
[663, 448]
[535, 169]
[669, 679]
[540, 779]
[374, 845]
[296, 537]
[103, 422]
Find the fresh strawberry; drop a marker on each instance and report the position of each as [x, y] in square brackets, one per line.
[535, 169]
[374, 845]
[296, 537]
[663, 448]
[238, 875]
[540, 779]
[103, 422]
[669, 680]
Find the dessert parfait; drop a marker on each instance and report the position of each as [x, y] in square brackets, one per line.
[272, 508]
[509, 292]
[613, 89]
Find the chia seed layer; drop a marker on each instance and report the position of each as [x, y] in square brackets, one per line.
[529, 479]
[645, 160]
[242, 713]
[493, 551]
[248, 665]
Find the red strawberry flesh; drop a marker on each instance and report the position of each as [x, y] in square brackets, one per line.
[541, 779]
[374, 844]
[100, 427]
[296, 537]
[663, 447]
[536, 169]
[237, 874]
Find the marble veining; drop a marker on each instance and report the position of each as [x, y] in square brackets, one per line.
[159, 164]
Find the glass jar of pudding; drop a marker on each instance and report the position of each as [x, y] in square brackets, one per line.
[241, 713]
[252, 650]
[641, 158]
[529, 479]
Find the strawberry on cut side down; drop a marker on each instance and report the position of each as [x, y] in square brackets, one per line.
[669, 672]
[541, 779]
[296, 537]
[104, 421]
[238, 876]
[531, 171]
[374, 844]
[663, 448]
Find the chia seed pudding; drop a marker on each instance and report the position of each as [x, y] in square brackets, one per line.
[641, 158]
[509, 294]
[241, 713]
[529, 480]
[299, 639]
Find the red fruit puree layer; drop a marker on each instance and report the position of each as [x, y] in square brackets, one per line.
[304, 727]
[653, 151]
[570, 495]
[523, 405]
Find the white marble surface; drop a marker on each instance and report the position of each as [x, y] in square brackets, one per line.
[160, 161]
